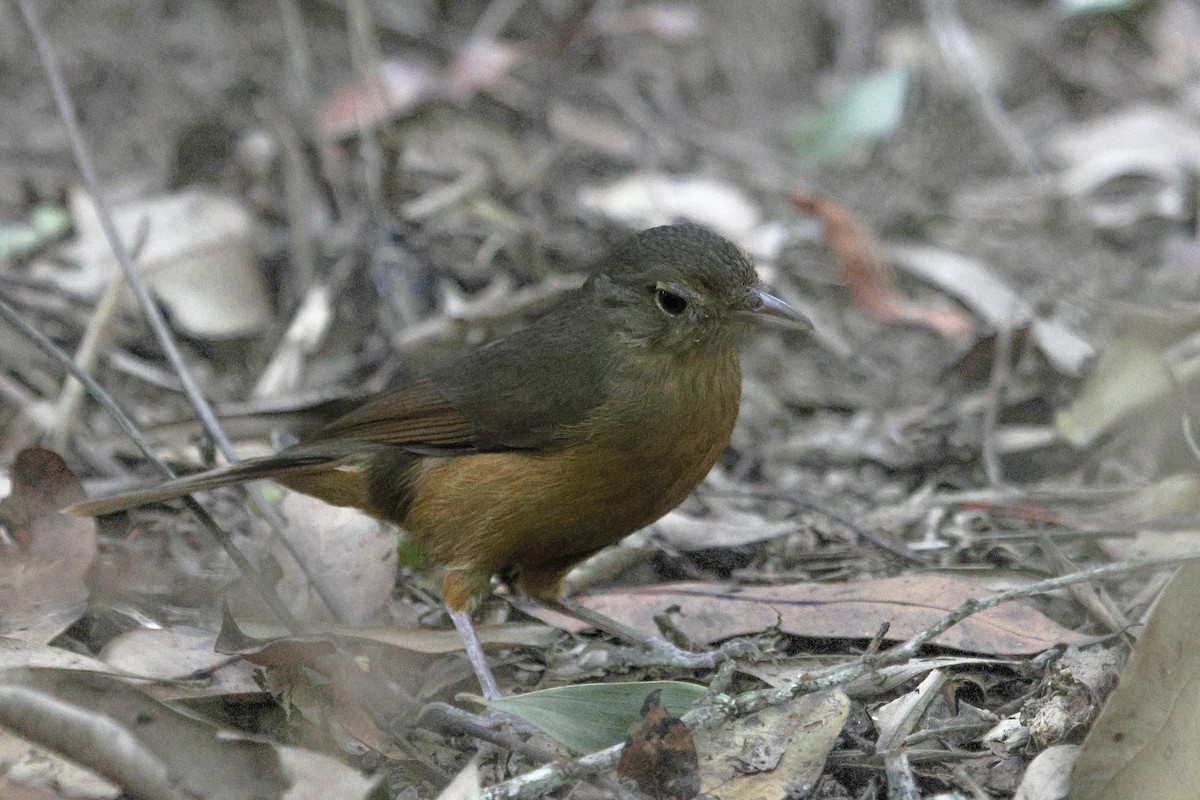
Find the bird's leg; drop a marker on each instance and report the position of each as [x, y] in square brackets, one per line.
[466, 631]
[461, 590]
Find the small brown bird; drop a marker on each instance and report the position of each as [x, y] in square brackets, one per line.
[529, 454]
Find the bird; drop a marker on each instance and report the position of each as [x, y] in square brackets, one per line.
[527, 455]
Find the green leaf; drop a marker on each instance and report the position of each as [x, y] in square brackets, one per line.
[1095, 6]
[411, 555]
[869, 109]
[45, 223]
[592, 716]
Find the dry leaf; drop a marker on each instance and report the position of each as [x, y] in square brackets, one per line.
[42, 588]
[352, 554]
[868, 275]
[712, 612]
[177, 653]
[777, 752]
[659, 755]
[1146, 742]
[394, 90]
[356, 691]
[645, 199]
[197, 256]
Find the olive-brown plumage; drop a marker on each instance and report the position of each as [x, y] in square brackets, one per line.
[535, 451]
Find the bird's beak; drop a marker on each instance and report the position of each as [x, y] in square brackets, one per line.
[769, 308]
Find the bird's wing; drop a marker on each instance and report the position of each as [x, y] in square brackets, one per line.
[525, 391]
[416, 415]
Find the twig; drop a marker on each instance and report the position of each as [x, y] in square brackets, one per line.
[83, 159]
[69, 399]
[300, 62]
[995, 394]
[481, 727]
[436, 200]
[493, 19]
[110, 405]
[512, 305]
[959, 51]
[94, 335]
[366, 58]
[543, 780]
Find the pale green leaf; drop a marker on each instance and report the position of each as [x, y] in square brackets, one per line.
[592, 716]
[869, 109]
[1095, 6]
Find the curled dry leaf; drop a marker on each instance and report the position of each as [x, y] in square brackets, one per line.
[351, 553]
[660, 755]
[42, 588]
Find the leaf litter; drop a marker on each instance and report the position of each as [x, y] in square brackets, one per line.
[914, 455]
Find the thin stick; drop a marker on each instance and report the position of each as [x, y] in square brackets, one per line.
[10, 315]
[71, 396]
[83, 159]
[995, 395]
[208, 418]
[543, 780]
[960, 53]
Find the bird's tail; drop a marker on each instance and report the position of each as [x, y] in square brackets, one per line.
[251, 469]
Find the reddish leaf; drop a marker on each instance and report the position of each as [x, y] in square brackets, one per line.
[712, 612]
[867, 275]
[42, 588]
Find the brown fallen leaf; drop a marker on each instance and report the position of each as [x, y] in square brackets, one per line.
[712, 612]
[868, 276]
[42, 588]
[659, 755]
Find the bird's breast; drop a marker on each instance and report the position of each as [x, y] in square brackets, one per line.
[635, 457]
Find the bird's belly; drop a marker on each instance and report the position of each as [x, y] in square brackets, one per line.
[524, 509]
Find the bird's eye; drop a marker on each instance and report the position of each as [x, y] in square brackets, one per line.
[670, 302]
